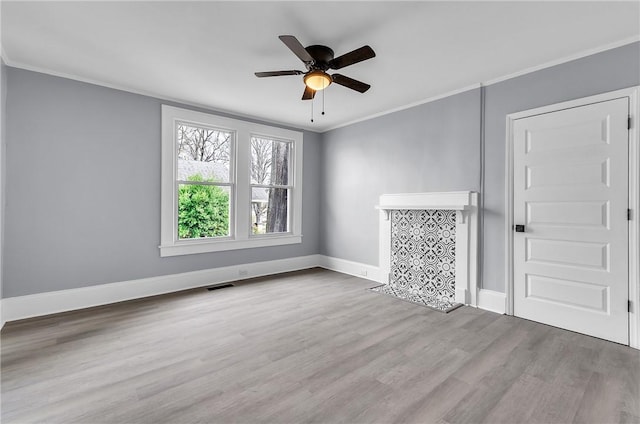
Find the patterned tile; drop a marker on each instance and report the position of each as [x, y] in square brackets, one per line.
[418, 298]
[423, 258]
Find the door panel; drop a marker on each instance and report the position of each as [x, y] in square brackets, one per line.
[571, 193]
[568, 253]
[568, 293]
[568, 214]
[571, 174]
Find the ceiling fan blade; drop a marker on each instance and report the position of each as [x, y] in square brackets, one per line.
[308, 94]
[297, 48]
[358, 55]
[350, 83]
[277, 73]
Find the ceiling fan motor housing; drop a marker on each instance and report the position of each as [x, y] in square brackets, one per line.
[321, 55]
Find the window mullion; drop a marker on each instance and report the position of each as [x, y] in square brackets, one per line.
[243, 190]
[238, 186]
[271, 186]
[204, 183]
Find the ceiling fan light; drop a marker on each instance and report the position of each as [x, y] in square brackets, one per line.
[317, 80]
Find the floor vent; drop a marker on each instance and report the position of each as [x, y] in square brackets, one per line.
[221, 286]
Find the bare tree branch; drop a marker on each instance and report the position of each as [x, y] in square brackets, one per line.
[203, 144]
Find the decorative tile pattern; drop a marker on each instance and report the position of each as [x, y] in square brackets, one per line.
[423, 257]
[429, 302]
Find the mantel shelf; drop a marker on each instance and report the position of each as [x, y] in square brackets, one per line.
[419, 207]
[459, 201]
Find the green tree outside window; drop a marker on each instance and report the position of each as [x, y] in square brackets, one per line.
[203, 210]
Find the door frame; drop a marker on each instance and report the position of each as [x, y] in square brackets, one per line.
[633, 93]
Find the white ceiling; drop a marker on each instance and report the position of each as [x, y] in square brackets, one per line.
[205, 53]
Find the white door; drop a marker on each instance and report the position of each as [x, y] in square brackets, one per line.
[570, 193]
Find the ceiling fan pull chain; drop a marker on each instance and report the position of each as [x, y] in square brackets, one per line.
[323, 90]
[312, 110]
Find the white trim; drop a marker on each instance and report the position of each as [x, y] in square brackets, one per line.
[456, 200]
[488, 300]
[508, 215]
[2, 178]
[240, 211]
[493, 301]
[566, 59]
[634, 224]
[466, 205]
[357, 269]
[579, 55]
[189, 247]
[21, 307]
[633, 93]
[157, 96]
[407, 106]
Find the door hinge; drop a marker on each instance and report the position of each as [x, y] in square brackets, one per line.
[628, 214]
[629, 306]
[629, 122]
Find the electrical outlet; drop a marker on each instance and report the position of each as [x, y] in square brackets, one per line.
[243, 272]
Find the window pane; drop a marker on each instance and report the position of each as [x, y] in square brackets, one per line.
[203, 211]
[269, 210]
[203, 153]
[269, 161]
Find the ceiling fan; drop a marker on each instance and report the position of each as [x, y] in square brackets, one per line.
[318, 59]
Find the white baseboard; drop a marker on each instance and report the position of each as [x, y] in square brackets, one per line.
[2, 320]
[20, 307]
[492, 301]
[462, 296]
[487, 299]
[357, 269]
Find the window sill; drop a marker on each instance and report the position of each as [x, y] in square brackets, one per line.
[194, 247]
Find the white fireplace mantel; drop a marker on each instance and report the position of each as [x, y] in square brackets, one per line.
[465, 203]
[459, 201]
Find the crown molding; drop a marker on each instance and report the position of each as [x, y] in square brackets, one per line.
[525, 71]
[566, 59]
[408, 106]
[177, 101]
[579, 55]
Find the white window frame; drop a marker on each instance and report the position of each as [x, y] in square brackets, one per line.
[230, 183]
[290, 186]
[240, 210]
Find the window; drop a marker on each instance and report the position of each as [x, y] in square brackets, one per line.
[227, 184]
[205, 181]
[270, 189]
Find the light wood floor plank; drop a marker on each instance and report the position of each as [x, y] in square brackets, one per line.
[307, 347]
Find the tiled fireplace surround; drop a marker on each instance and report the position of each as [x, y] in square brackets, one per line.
[429, 245]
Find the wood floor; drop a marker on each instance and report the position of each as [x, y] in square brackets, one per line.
[308, 347]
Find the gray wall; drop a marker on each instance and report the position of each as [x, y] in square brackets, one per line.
[607, 71]
[83, 192]
[431, 147]
[436, 147]
[3, 163]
